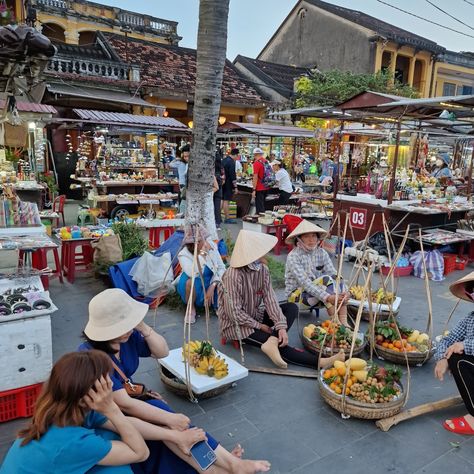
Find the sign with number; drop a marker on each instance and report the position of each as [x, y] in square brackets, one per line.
[358, 218]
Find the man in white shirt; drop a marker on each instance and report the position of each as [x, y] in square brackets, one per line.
[283, 182]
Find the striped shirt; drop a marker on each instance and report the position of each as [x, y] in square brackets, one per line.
[302, 268]
[462, 332]
[245, 295]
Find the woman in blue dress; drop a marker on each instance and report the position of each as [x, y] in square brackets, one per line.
[69, 429]
[210, 264]
[116, 327]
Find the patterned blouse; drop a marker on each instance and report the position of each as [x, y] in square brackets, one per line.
[302, 268]
[462, 332]
[245, 295]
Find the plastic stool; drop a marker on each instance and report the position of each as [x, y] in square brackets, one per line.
[235, 342]
[155, 233]
[72, 261]
[39, 260]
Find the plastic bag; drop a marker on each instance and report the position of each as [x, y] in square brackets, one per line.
[151, 273]
[434, 265]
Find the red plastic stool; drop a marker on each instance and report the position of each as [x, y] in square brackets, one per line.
[72, 261]
[235, 342]
[155, 233]
[39, 260]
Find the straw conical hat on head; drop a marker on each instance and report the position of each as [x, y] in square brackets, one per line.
[251, 246]
[305, 227]
[458, 287]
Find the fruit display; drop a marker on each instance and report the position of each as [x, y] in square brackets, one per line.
[412, 340]
[366, 383]
[202, 356]
[334, 336]
[379, 296]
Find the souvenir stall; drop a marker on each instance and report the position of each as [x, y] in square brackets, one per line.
[122, 160]
[24, 150]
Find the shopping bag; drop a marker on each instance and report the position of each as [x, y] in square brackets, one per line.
[151, 272]
[434, 265]
[108, 249]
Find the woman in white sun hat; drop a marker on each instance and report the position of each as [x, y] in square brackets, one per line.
[248, 307]
[116, 327]
[310, 276]
[456, 353]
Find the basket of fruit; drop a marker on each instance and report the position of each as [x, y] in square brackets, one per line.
[417, 346]
[334, 336]
[372, 392]
[204, 360]
[383, 303]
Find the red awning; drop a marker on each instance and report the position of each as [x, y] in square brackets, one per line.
[31, 107]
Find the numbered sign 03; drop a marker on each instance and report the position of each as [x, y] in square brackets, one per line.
[358, 218]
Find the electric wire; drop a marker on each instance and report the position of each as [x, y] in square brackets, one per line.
[449, 14]
[470, 3]
[425, 19]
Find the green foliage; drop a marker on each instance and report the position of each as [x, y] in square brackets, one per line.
[333, 87]
[50, 182]
[133, 242]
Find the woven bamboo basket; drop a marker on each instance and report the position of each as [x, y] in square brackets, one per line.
[179, 387]
[381, 315]
[356, 409]
[414, 358]
[315, 348]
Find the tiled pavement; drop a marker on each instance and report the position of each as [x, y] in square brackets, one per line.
[283, 419]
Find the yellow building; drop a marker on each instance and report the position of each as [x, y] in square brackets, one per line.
[76, 21]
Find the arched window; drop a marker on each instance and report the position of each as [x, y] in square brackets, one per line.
[54, 32]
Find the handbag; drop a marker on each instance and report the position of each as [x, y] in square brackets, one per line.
[134, 390]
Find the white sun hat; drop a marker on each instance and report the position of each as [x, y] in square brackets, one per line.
[112, 313]
[305, 227]
[251, 246]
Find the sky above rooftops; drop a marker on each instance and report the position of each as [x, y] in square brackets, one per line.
[253, 22]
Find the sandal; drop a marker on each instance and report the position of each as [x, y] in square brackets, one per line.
[461, 426]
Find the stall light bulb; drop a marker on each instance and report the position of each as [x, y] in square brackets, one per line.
[31, 125]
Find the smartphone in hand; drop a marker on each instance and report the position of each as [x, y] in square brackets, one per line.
[203, 454]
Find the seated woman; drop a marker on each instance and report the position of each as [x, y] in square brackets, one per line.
[62, 436]
[210, 264]
[305, 266]
[116, 327]
[456, 353]
[249, 309]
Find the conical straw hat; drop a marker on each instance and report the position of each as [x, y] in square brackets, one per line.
[458, 287]
[305, 227]
[251, 246]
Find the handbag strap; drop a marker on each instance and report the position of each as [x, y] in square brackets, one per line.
[124, 378]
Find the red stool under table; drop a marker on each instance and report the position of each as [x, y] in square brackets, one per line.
[39, 260]
[235, 342]
[155, 234]
[72, 261]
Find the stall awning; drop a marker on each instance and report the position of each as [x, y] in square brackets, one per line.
[268, 130]
[31, 107]
[98, 94]
[117, 118]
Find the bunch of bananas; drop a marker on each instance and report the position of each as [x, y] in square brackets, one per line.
[357, 292]
[213, 367]
[383, 297]
[195, 351]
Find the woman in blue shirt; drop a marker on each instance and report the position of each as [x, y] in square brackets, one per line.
[116, 327]
[64, 434]
[456, 353]
[441, 169]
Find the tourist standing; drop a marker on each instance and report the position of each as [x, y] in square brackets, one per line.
[283, 182]
[230, 182]
[260, 187]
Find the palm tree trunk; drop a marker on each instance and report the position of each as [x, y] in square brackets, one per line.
[211, 57]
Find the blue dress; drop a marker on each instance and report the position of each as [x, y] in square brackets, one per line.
[200, 292]
[161, 460]
[71, 449]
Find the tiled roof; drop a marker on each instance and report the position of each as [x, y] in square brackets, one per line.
[172, 70]
[31, 107]
[278, 76]
[391, 32]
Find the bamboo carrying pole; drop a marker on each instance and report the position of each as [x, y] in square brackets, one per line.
[290, 373]
[419, 410]
[391, 188]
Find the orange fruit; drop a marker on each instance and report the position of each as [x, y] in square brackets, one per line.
[341, 371]
[338, 390]
[349, 383]
[327, 374]
[390, 346]
[353, 379]
[348, 391]
[333, 387]
[397, 344]
[385, 344]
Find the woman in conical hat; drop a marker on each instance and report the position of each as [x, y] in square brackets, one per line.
[310, 276]
[456, 353]
[248, 307]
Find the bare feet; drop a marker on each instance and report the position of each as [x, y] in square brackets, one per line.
[238, 451]
[270, 348]
[188, 438]
[329, 361]
[247, 466]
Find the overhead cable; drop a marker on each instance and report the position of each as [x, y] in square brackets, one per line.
[449, 14]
